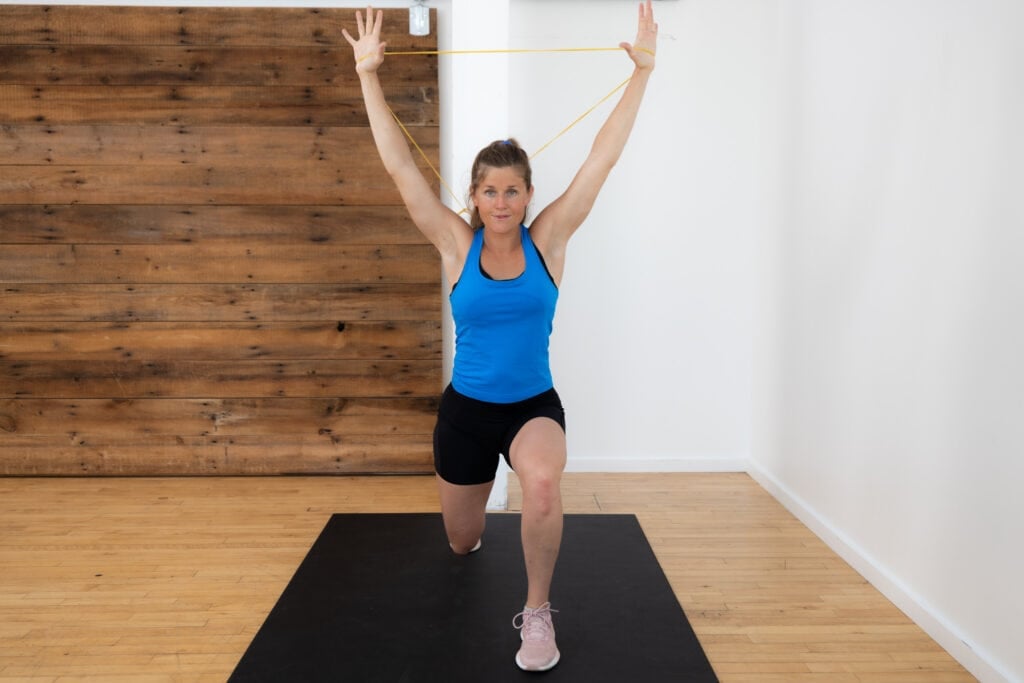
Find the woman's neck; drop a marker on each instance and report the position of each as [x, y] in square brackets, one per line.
[502, 243]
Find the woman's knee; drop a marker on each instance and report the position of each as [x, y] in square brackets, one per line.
[542, 491]
[464, 535]
[465, 547]
[464, 510]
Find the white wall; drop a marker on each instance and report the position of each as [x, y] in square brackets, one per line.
[889, 382]
[651, 344]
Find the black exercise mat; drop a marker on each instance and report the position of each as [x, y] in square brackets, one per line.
[380, 597]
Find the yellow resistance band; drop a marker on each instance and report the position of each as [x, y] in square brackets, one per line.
[510, 50]
[514, 50]
[425, 157]
[478, 52]
[423, 154]
[582, 116]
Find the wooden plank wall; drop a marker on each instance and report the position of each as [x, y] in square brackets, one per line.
[204, 267]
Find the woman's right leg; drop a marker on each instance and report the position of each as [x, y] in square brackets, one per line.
[464, 509]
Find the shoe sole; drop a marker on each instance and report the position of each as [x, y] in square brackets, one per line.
[479, 544]
[546, 667]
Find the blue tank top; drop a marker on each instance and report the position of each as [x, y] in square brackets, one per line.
[502, 328]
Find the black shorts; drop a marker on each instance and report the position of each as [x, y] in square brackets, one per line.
[471, 435]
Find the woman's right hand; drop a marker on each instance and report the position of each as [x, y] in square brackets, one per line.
[368, 50]
[642, 51]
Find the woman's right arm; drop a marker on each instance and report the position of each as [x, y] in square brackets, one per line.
[437, 222]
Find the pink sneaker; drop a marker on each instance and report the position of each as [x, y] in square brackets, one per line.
[538, 652]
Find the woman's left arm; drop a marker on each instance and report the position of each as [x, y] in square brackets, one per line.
[556, 223]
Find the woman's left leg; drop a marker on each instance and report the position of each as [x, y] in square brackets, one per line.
[538, 455]
[464, 510]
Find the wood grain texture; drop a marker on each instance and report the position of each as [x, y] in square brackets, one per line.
[414, 340]
[136, 419]
[218, 263]
[219, 302]
[285, 105]
[204, 267]
[186, 26]
[298, 183]
[113, 145]
[246, 66]
[197, 223]
[147, 579]
[77, 378]
[160, 455]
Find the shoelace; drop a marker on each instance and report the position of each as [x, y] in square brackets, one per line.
[535, 624]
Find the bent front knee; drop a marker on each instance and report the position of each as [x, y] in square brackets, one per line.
[544, 499]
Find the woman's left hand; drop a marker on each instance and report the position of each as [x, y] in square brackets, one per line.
[642, 51]
[369, 48]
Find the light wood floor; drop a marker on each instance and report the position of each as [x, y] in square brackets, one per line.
[147, 580]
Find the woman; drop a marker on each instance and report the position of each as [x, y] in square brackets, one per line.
[501, 399]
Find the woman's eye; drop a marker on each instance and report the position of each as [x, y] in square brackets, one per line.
[513, 193]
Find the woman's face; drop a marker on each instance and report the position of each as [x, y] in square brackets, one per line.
[501, 197]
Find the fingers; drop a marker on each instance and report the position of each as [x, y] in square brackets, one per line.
[371, 26]
[373, 23]
[646, 17]
[647, 29]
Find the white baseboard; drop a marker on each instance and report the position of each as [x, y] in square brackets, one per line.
[919, 611]
[498, 499]
[657, 464]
